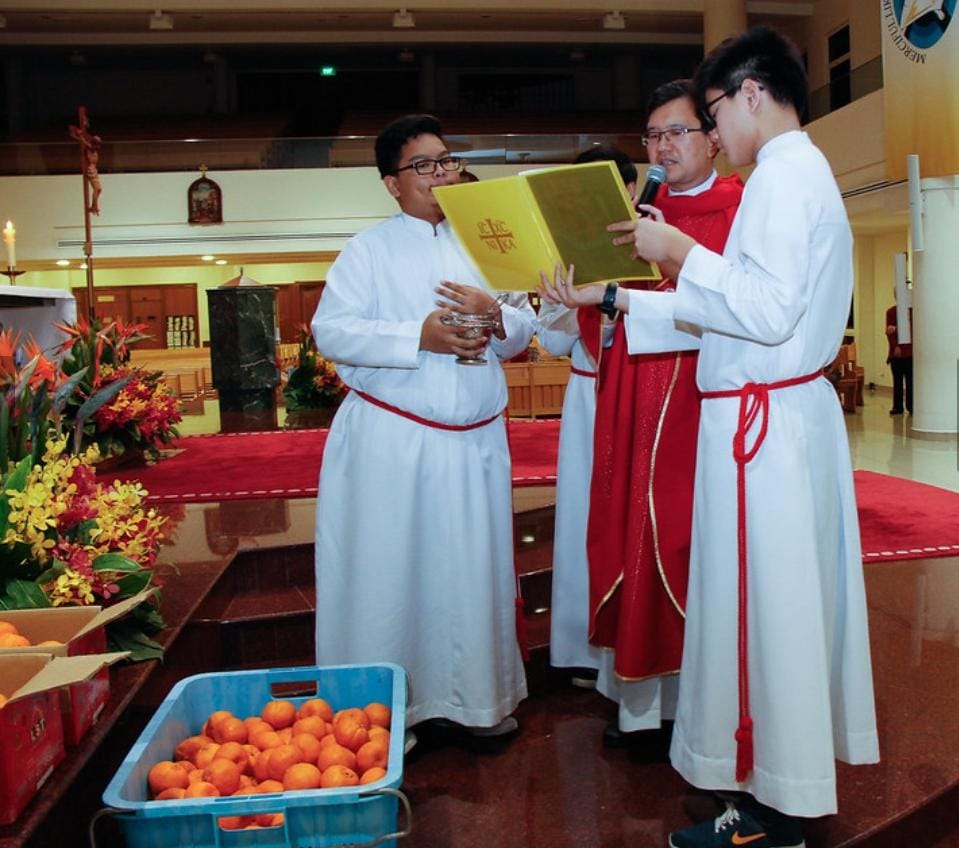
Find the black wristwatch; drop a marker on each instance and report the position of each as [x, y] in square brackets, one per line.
[608, 306]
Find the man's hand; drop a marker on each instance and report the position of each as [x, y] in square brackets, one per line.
[653, 240]
[562, 291]
[437, 337]
[470, 300]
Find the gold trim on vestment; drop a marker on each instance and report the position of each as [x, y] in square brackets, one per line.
[652, 475]
[641, 679]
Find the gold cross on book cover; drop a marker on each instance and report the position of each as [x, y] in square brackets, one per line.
[515, 227]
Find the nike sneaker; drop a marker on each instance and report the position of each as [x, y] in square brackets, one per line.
[733, 829]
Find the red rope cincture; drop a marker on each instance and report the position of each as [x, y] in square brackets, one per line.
[753, 404]
[579, 372]
[426, 422]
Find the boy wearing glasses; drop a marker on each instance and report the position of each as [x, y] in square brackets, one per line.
[776, 676]
[414, 538]
[647, 411]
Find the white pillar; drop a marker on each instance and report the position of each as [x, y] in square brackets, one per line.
[935, 310]
[722, 18]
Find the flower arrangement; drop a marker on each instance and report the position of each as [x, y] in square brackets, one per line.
[313, 383]
[139, 412]
[65, 538]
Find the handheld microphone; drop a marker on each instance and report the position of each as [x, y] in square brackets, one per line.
[655, 177]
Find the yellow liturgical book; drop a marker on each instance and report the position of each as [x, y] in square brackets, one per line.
[515, 227]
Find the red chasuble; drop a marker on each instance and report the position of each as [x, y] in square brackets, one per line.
[644, 458]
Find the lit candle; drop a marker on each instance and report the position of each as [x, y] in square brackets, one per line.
[9, 239]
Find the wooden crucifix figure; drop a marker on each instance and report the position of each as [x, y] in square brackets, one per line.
[89, 159]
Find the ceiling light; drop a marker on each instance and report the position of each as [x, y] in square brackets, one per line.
[221, 262]
[63, 262]
[160, 21]
[208, 257]
[614, 20]
[83, 266]
[403, 19]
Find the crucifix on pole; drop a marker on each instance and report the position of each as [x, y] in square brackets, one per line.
[89, 157]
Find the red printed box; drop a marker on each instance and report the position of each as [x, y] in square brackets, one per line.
[31, 727]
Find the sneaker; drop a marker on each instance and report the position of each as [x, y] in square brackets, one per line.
[584, 678]
[782, 831]
[507, 725]
[409, 741]
[733, 829]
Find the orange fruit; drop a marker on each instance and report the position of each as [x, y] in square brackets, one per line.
[267, 786]
[246, 781]
[224, 775]
[167, 775]
[236, 752]
[372, 754]
[378, 714]
[360, 717]
[350, 733]
[337, 775]
[3, 701]
[214, 719]
[201, 789]
[333, 755]
[261, 765]
[174, 793]
[329, 739]
[311, 724]
[188, 748]
[286, 734]
[279, 714]
[188, 765]
[254, 723]
[206, 755]
[372, 775]
[315, 707]
[13, 640]
[8, 627]
[377, 732]
[309, 746]
[234, 822]
[196, 775]
[230, 729]
[281, 759]
[264, 739]
[301, 776]
[49, 643]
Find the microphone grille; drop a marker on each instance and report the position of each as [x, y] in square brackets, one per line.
[656, 174]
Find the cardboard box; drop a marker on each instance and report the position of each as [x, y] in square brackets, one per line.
[31, 727]
[81, 631]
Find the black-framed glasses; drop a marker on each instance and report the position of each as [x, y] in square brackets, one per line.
[669, 134]
[728, 93]
[425, 167]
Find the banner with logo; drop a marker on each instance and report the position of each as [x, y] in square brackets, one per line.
[920, 60]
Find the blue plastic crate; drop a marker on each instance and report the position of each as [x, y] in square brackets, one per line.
[354, 815]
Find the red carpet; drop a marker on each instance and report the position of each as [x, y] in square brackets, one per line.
[899, 519]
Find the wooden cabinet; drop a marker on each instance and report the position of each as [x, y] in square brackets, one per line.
[169, 312]
[295, 305]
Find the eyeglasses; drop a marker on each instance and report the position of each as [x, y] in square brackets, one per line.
[669, 134]
[709, 106]
[425, 167]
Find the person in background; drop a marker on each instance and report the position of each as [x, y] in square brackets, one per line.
[414, 524]
[900, 363]
[641, 495]
[558, 333]
[776, 677]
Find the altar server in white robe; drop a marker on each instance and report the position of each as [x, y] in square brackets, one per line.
[558, 332]
[414, 538]
[776, 678]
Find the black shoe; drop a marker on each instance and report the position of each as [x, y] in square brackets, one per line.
[895, 412]
[733, 828]
[613, 737]
[583, 678]
[782, 831]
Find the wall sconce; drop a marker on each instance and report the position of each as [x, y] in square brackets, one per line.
[403, 19]
[614, 20]
[160, 21]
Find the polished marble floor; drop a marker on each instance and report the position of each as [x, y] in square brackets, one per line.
[555, 785]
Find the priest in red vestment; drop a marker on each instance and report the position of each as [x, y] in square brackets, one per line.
[647, 418]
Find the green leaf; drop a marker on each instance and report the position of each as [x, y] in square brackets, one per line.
[134, 583]
[66, 391]
[16, 479]
[116, 562]
[125, 635]
[25, 594]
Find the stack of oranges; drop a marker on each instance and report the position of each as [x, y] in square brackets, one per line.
[284, 749]
[10, 637]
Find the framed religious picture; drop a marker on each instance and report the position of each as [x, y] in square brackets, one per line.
[205, 200]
